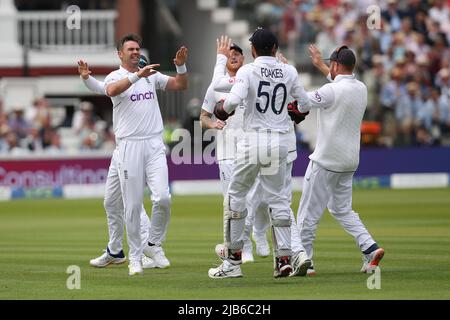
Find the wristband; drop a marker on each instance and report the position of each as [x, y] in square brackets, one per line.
[133, 78]
[181, 69]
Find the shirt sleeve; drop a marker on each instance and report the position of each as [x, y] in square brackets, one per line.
[94, 85]
[111, 78]
[298, 92]
[161, 81]
[322, 98]
[209, 101]
[220, 69]
[239, 91]
[224, 84]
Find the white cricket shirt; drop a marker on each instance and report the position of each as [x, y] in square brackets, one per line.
[341, 105]
[136, 111]
[265, 86]
[226, 138]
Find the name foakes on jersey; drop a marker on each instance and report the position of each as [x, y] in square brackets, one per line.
[271, 73]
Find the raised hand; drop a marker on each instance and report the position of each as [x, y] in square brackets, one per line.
[282, 58]
[317, 60]
[223, 45]
[316, 55]
[147, 70]
[83, 69]
[181, 56]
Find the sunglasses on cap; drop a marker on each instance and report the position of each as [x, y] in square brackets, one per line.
[335, 55]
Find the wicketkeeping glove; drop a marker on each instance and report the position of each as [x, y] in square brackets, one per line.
[220, 113]
[294, 113]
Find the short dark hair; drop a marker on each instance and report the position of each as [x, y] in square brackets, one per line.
[128, 37]
[264, 52]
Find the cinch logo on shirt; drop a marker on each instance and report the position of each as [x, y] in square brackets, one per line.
[317, 96]
[142, 96]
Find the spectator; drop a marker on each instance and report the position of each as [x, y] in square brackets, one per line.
[326, 39]
[13, 147]
[392, 15]
[39, 114]
[405, 112]
[91, 134]
[55, 146]
[17, 122]
[82, 116]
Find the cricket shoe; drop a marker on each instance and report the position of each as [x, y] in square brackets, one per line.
[262, 246]
[371, 260]
[135, 268]
[225, 270]
[156, 253]
[247, 255]
[106, 259]
[283, 267]
[311, 271]
[147, 263]
[300, 264]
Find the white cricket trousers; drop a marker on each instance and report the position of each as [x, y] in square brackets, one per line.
[323, 188]
[265, 154]
[259, 216]
[144, 162]
[113, 205]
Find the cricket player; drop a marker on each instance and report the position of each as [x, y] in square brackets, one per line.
[113, 202]
[229, 132]
[258, 217]
[141, 155]
[264, 86]
[328, 180]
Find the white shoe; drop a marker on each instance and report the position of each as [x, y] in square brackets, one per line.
[106, 259]
[311, 271]
[262, 246]
[147, 263]
[156, 253]
[300, 264]
[247, 255]
[135, 268]
[371, 260]
[225, 270]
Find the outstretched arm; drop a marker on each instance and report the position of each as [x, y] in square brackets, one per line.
[180, 81]
[115, 88]
[90, 82]
[220, 70]
[317, 60]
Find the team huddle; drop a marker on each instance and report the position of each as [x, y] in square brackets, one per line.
[254, 108]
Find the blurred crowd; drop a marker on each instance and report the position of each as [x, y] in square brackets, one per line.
[403, 58]
[38, 129]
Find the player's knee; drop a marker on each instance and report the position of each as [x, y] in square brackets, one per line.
[280, 214]
[281, 222]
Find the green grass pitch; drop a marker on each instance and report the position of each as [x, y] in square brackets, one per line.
[39, 239]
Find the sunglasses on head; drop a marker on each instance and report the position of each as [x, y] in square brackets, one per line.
[335, 54]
